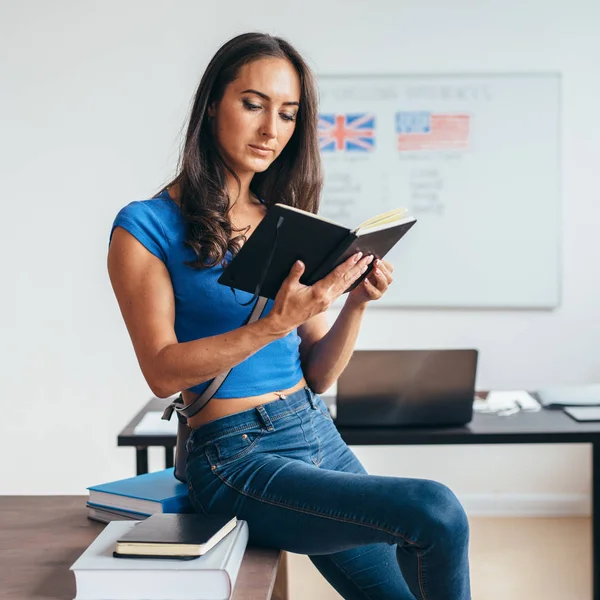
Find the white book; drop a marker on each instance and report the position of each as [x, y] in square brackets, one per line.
[100, 576]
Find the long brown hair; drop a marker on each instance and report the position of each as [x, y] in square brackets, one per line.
[294, 178]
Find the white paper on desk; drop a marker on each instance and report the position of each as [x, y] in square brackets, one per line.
[506, 400]
[152, 424]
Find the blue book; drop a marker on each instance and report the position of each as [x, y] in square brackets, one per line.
[150, 493]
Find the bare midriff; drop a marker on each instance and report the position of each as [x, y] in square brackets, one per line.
[222, 407]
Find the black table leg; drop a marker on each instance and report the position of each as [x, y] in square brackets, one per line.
[168, 457]
[596, 520]
[141, 459]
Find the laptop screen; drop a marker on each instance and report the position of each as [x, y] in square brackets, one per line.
[407, 387]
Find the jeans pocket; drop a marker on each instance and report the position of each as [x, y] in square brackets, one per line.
[235, 446]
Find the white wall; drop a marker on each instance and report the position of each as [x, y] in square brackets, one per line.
[94, 95]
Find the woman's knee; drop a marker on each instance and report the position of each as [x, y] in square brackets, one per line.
[434, 512]
[445, 515]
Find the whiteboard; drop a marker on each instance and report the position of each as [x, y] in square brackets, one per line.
[475, 158]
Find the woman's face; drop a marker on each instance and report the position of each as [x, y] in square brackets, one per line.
[256, 117]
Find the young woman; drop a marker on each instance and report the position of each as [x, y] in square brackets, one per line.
[264, 448]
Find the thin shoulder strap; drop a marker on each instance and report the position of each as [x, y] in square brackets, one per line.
[201, 401]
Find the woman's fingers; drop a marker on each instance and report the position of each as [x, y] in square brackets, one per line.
[385, 268]
[358, 269]
[388, 265]
[346, 274]
[378, 280]
[343, 276]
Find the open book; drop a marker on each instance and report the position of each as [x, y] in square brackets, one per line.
[288, 234]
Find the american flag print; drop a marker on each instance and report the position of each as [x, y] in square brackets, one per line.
[420, 130]
[347, 133]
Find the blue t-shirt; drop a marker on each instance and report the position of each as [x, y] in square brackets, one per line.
[204, 307]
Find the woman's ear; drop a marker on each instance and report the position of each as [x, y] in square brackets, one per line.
[211, 111]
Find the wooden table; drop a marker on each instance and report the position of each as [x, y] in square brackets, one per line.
[42, 536]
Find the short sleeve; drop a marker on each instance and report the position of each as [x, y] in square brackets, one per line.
[143, 224]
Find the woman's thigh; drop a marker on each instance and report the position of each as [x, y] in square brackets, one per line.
[294, 505]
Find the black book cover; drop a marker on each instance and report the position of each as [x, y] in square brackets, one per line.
[181, 530]
[377, 243]
[286, 235]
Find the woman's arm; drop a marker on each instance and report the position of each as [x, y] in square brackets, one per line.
[144, 291]
[325, 352]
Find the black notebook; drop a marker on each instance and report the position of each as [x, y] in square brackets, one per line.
[288, 234]
[174, 535]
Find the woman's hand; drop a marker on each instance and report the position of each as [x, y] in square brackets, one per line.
[373, 286]
[296, 303]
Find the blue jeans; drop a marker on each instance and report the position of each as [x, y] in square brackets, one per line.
[284, 469]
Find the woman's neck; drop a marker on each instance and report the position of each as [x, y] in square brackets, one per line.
[240, 194]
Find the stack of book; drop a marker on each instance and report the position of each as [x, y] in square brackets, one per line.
[136, 498]
[165, 557]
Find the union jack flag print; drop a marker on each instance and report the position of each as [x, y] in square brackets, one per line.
[420, 130]
[347, 133]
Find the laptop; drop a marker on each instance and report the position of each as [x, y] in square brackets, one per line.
[400, 388]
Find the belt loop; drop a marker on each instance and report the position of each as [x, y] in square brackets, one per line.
[264, 417]
[311, 398]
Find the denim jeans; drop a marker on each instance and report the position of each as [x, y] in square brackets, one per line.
[284, 469]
